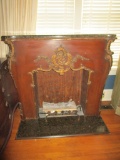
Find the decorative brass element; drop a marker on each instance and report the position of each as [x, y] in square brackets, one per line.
[108, 56]
[11, 57]
[32, 84]
[48, 62]
[60, 62]
[80, 57]
[11, 54]
[89, 81]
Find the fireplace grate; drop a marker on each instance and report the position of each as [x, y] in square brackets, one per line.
[60, 109]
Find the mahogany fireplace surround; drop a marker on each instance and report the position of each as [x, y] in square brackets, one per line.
[59, 68]
[54, 70]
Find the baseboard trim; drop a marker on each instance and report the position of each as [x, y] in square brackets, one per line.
[105, 103]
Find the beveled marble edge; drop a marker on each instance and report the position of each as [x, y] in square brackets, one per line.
[74, 36]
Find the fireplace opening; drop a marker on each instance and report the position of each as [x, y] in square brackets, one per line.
[61, 95]
[60, 109]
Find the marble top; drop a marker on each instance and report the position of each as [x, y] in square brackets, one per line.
[77, 36]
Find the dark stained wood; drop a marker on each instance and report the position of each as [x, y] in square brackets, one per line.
[84, 89]
[95, 54]
[8, 104]
[95, 147]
